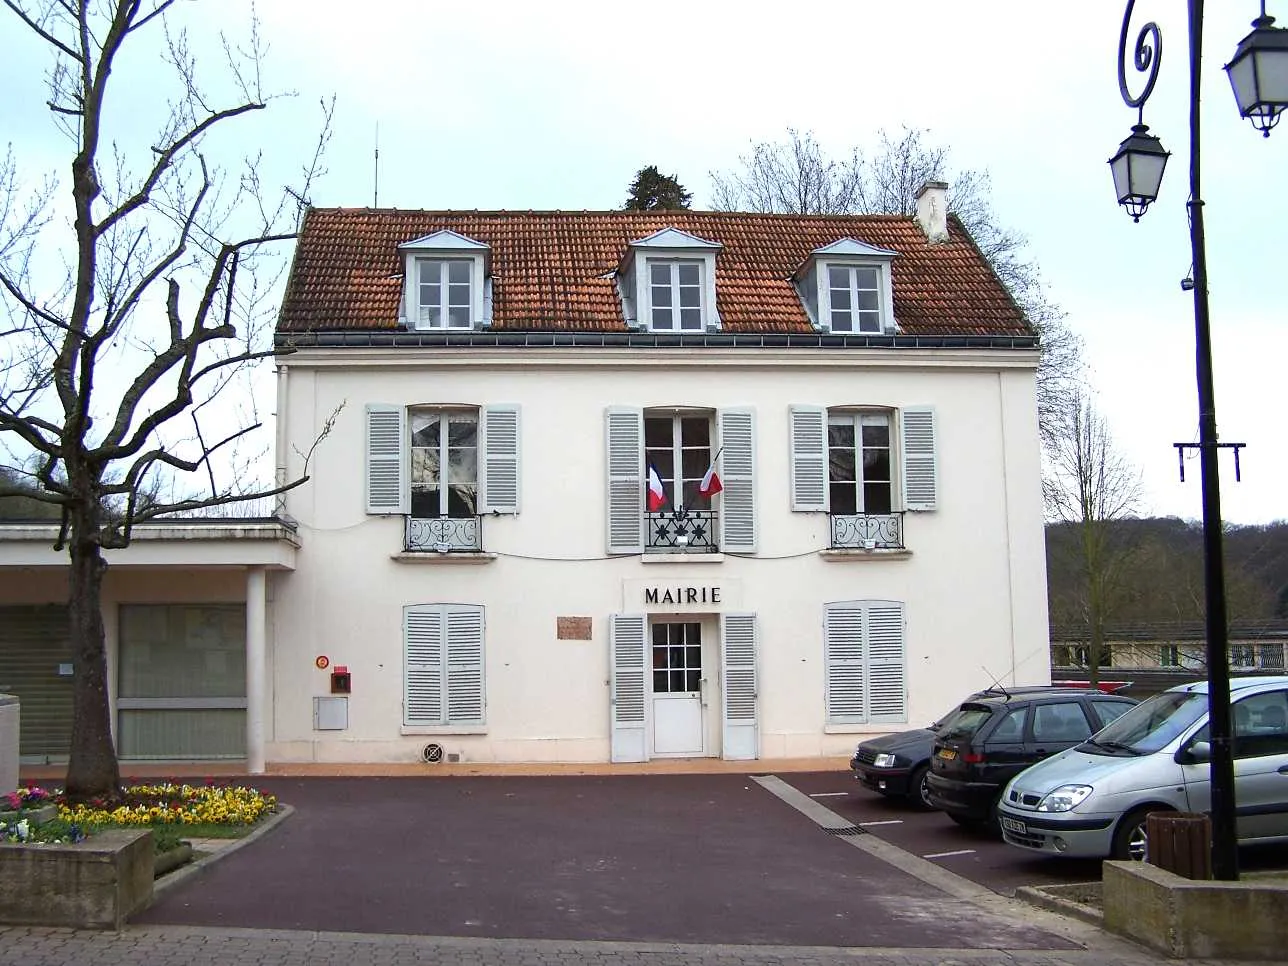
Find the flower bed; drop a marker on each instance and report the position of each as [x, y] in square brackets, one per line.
[173, 804]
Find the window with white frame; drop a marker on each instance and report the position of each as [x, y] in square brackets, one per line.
[864, 662]
[442, 468]
[675, 295]
[444, 462]
[444, 297]
[678, 447]
[853, 298]
[443, 684]
[859, 465]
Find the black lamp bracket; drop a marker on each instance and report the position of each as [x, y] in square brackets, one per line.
[1182, 447]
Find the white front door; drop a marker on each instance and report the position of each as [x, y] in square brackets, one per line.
[678, 680]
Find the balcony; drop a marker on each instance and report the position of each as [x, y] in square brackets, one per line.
[867, 531]
[443, 535]
[682, 531]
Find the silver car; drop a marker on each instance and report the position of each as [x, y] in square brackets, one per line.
[1091, 800]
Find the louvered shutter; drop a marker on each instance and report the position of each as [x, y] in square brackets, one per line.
[388, 469]
[887, 696]
[626, 635]
[464, 665]
[625, 448]
[809, 458]
[423, 665]
[737, 433]
[738, 672]
[500, 459]
[844, 664]
[920, 479]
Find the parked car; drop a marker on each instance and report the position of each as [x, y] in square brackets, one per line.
[897, 765]
[1092, 800]
[994, 738]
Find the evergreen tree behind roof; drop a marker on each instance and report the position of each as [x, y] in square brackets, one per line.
[651, 190]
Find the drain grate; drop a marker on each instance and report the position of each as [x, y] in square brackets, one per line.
[846, 830]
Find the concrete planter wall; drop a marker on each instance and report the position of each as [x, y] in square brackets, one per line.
[95, 884]
[1189, 919]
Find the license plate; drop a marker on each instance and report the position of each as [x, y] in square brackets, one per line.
[947, 754]
[1011, 825]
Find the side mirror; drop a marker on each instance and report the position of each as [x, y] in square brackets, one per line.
[1195, 754]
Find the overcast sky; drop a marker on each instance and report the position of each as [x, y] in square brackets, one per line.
[557, 104]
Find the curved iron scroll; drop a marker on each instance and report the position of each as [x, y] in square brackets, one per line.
[1147, 57]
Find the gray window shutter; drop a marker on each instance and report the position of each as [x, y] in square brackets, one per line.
[737, 434]
[388, 469]
[920, 480]
[887, 695]
[465, 665]
[809, 458]
[500, 462]
[843, 661]
[625, 447]
[738, 672]
[423, 665]
[627, 634]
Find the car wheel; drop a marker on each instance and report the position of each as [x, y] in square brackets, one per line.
[1130, 838]
[919, 787]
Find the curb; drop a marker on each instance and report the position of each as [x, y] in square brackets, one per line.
[170, 880]
[1049, 898]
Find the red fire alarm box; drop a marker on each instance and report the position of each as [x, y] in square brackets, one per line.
[340, 680]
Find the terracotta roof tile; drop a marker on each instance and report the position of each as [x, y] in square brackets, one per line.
[552, 269]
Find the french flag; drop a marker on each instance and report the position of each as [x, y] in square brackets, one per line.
[656, 494]
[710, 484]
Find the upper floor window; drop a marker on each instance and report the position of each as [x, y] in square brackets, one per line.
[447, 284]
[675, 295]
[444, 297]
[667, 283]
[853, 298]
[858, 462]
[442, 468]
[846, 288]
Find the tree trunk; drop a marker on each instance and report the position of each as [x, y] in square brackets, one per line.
[93, 771]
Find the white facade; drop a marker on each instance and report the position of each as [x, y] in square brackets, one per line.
[969, 583]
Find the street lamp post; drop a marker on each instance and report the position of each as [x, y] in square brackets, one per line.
[1259, 77]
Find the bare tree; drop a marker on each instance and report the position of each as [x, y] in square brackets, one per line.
[794, 176]
[1089, 485]
[130, 302]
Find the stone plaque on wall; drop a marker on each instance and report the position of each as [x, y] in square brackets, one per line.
[573, 628]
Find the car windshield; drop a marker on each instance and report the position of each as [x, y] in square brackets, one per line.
[964, 722]
[1152, 724]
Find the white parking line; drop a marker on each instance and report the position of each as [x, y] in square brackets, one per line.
[944, 855]
[828, 794]
[888, 821]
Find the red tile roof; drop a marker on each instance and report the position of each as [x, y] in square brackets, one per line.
[552, 270]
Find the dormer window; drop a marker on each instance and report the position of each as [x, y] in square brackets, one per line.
[846, 288]
[667, 283]
[447, 283]
[444, 299]
[675, 295]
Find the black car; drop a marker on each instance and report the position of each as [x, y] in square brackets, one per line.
[993, 738]
[897, 765]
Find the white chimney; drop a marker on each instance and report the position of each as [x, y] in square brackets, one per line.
[932, 210]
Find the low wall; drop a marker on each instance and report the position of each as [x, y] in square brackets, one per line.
[95, 884]
[1189, 919]
[9, 719]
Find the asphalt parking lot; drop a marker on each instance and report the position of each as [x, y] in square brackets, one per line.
[970, 853]
[673, 858]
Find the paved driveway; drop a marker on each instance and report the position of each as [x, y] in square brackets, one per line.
[683, 858]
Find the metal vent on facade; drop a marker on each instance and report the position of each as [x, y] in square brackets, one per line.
[846, 830]
[431, 753]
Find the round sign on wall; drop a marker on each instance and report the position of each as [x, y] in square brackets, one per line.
[322, 662]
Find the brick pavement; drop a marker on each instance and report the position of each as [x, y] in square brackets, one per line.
[194, 946]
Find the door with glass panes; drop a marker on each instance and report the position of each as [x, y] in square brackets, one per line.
[679, 726]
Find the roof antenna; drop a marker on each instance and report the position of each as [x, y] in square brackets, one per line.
[375, 194]
[997, 685]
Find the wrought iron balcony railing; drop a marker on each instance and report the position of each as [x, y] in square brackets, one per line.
[867, 531]
[682, 531]
[443, 534]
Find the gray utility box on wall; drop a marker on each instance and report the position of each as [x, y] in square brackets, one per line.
[331, 713]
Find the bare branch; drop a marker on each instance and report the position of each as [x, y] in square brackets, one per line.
[41, 32]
